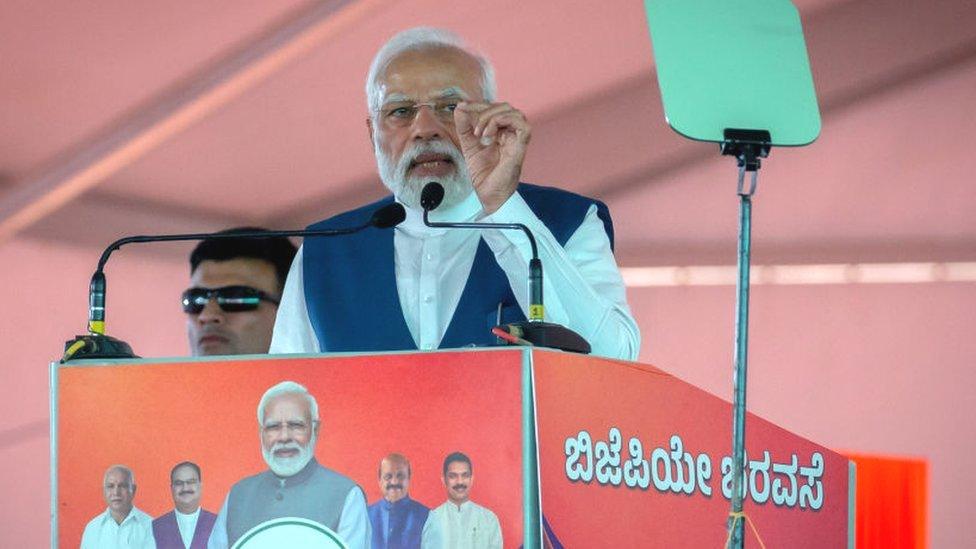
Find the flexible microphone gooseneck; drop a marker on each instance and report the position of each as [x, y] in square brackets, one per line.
[98, 345]
[431, 197]
[535, 330]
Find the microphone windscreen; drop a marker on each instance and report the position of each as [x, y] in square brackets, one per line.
[431, 196]
[388, 216]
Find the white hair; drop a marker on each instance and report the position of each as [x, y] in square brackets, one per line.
[421, 38]
[287, 387]
[124, 469]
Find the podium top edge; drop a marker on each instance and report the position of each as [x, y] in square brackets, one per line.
[289, 356]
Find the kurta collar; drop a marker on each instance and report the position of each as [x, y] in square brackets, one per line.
[468, 209]
[132, 516]
[460, 508]
[187, 515]
[384, 504]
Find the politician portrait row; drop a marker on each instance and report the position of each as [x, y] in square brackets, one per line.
[297, 497]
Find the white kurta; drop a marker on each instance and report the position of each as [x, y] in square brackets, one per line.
[135, 532]
[187, 523]
[469, 526]
[583, 289]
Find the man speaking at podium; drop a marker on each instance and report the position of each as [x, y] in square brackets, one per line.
[433, 116]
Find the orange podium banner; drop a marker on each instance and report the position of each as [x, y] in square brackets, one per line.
[621, 454]
[631, 456]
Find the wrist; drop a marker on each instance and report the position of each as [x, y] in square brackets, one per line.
[491, 204]
[492, 201]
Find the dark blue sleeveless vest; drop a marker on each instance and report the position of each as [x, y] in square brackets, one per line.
[350, 281]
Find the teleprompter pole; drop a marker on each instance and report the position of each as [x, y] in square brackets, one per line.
[531, 504]
[748, 146]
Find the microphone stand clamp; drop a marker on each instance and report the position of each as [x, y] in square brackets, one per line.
[95, 344]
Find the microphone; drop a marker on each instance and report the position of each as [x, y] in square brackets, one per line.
[535, 330]
[96, 344]
[431, 197]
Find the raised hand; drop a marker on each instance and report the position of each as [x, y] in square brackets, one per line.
[494, 138]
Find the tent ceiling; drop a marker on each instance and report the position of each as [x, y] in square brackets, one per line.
[890, 177]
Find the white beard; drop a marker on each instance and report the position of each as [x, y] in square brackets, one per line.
[457, 186]
[288, 466]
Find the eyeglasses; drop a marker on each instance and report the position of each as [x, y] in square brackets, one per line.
[402, 113]
[188, 483]
[299, 427]
[230, 299]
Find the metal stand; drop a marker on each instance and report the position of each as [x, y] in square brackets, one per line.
[748, 146]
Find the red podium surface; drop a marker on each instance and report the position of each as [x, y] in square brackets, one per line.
[626, 455]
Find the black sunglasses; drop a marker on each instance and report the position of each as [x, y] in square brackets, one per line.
[230, 299]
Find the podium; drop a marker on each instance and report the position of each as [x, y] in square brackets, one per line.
[612, 453]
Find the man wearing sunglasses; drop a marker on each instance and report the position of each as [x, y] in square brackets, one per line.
[433, 116]
[235, 287]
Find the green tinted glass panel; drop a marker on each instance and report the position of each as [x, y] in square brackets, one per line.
[734, 64]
